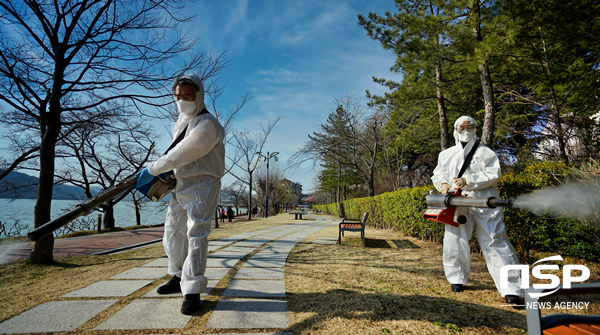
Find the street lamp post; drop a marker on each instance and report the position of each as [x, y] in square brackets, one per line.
[267, 158]
[287, 195]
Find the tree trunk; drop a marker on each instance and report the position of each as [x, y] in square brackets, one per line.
[560, 135]
[338, 191]
[42, 249]
[487, 136]
[445, 144]
[138, 216]
[250, 199]
[371, 184]
[109, 215]
[50, 129]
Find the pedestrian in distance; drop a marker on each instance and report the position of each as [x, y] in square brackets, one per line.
[198, 162]
[229, 213]
[479, 180]
[222, 214]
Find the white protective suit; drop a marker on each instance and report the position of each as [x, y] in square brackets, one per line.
[198, 162]
[481, 176]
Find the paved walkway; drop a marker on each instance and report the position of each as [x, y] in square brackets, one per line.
[254, 298]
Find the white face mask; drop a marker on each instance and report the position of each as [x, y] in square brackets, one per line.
[188, 108]
[466, 136]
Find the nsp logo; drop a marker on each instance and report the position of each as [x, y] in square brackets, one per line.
[537, 273]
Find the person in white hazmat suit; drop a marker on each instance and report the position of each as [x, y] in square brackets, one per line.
[198, 162]
[479, 180]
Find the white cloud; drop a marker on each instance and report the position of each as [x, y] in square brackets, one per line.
[295, 57]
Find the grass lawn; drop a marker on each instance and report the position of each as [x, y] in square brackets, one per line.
[394, 285]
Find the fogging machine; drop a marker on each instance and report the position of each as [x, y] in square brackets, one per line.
[451, 208]
[160, 187]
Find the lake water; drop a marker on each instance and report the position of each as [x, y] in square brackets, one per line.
[22, 209]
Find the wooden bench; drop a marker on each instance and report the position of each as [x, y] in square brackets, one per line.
[298, 214]
[353, 225]
[561, 323]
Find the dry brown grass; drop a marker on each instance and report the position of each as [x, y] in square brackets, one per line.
[394, 285]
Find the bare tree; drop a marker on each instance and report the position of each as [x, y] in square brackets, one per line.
[356, 145]
[60, 63]
[234, 194]
[277, 186]
[103, 157]
[244, 158]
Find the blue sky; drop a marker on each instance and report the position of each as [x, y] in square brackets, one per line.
[294, 57]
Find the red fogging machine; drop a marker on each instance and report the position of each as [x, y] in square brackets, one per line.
[451, 208]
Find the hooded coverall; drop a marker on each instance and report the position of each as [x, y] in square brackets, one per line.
[481, 176]
[198, 162]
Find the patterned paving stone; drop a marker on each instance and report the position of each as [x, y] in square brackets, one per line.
[239, 237]
[214, 247]
[226, 254]
[148, 314]
[265, 262]
[221, 262]
[257, 240]
[215, 273]
[154, 294]
[231, 239]
[161, 262]
[281, 251]
[218, 242]
[249, 313]
[55, 316]
[249, 244]
[142, 273]
[259, 273]
[255, 289]
[240, 249]
[262, 254]
[109, 288]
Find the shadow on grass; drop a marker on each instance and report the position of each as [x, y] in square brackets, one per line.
[445, 313]
[369, 243]
[374, 243]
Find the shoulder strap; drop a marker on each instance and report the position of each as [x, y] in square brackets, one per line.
[468, 160]
[182, 134]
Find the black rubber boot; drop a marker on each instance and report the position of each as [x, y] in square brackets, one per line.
[172, 286]
[191, 304]
[457, 287]
[512, 299]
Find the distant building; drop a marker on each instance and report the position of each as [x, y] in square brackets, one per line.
[296, 188]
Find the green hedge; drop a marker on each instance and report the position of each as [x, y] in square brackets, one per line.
[402, 211]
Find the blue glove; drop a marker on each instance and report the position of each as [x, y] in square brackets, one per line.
[145, 181]
[144, 178]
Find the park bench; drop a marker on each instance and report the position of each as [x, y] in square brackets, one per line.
[561, 323]
[353, 225]
[316, 211]
[298, 214]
